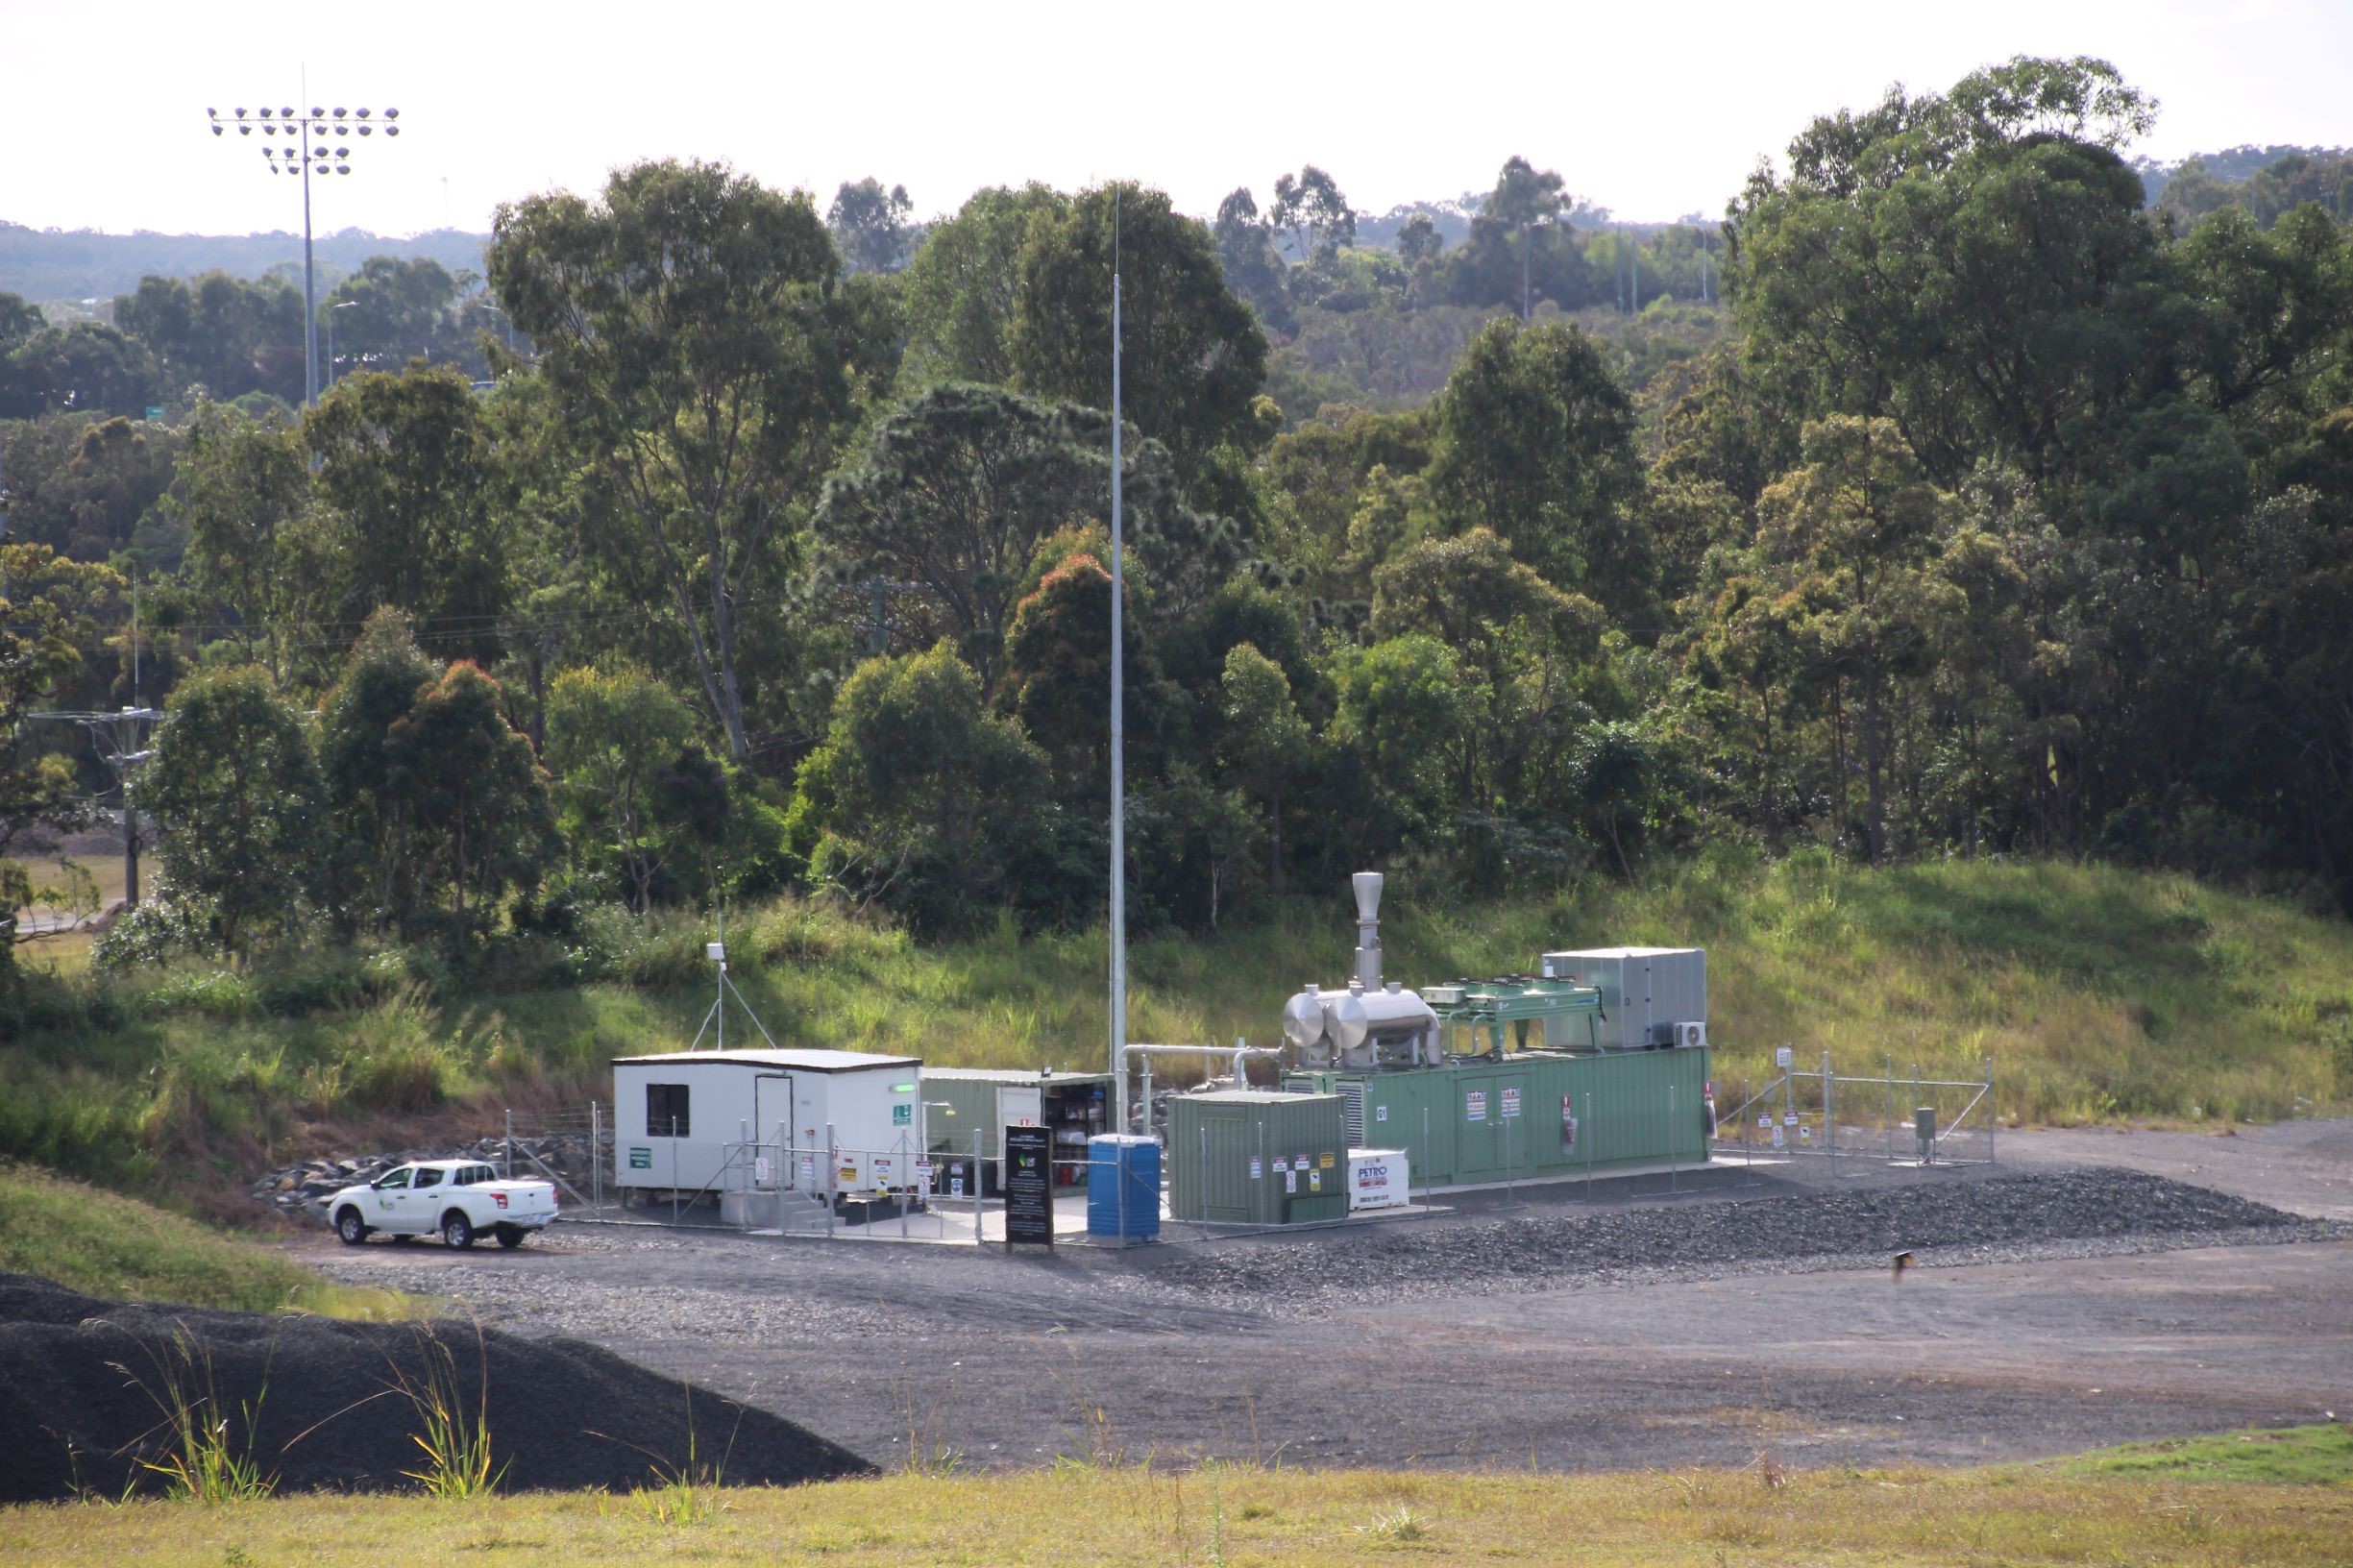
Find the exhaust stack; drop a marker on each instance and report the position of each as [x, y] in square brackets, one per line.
[1368, 885]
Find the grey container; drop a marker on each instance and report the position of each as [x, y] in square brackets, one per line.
[1645, 993]
[1256, 1157]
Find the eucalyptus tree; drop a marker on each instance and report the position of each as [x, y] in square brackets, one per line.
[707, 366]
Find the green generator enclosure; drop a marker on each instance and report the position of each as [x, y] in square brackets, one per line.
[1258, 1157]
[1531, 1115]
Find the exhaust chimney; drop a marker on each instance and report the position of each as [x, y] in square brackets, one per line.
[1367, 885]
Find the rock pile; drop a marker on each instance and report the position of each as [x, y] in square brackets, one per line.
[302, 1189]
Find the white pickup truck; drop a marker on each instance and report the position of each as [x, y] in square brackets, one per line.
[457, 1199]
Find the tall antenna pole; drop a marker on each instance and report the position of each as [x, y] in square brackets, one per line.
[1118, 726]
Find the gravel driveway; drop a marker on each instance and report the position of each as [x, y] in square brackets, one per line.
[2055, 1308]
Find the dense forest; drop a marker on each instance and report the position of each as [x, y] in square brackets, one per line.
[1948, 497]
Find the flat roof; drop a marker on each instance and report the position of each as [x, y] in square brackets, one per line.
[1253, 1096]
[798, 1061]
[1622, 952]
[1013, 1075]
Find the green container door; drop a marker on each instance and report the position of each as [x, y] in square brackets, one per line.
[1491, 1126]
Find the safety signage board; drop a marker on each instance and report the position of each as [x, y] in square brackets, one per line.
[1029, 1187]
[1474, 1105]
[1258, 1168]
[1511, 1100]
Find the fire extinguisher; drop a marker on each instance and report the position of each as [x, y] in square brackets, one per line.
[1707, 1098]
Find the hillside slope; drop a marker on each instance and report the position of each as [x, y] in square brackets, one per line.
[2096, 992]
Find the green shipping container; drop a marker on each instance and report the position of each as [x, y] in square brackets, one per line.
[1257, 1157]
[1530, 1115]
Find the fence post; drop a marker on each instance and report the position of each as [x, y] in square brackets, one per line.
[509, 1173]
[1748, 1150]
[1891, 1110]
[1829, 1114]
[1586, 1133]
[595, 1156]
[1991, 1121]
[832, 1174]
[1674, 1162]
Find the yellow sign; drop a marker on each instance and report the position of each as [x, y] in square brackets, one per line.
[1324, 1160]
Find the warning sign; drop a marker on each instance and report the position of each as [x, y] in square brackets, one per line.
[1511, 1100]
[1474, 1105]
[1258, 1169]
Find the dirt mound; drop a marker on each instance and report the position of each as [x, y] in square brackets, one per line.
[569, 1415]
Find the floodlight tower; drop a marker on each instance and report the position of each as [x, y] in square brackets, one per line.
[306, 148]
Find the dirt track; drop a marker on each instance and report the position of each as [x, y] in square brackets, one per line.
[1001, 1357]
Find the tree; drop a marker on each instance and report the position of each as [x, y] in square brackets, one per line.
[243, 492]
[1976, 268]
[1855, 525]
[871, 225]
[1057, 676]
[476, 797]
[1264, 743]
[1310, 209]
[1194, 355]
[962, 286]
[84, 368]
[90, 506]
[918, 800]
[690, 325]
[957, 489]
[1247, 253]
[1535, 441]
[1400, 706]
[1419, 243]
[229, 335]
[45, 620]
[235, 787]
[614, 738]
[1523, 200]
[407, 466]
[370, 790]
[398, 312]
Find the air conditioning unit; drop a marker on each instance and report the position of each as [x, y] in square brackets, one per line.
[1689, 1036]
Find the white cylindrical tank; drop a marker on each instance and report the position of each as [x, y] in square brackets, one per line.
[1303, 1017]
[1345, 1019]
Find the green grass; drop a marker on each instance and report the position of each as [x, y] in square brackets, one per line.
[105, 1244]
[2099, 993]
[1245, 1515]
[2279, 1457]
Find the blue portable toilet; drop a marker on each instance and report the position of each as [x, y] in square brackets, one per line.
[1123, 1166]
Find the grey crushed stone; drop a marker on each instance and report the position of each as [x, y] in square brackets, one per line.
[2011, 1219]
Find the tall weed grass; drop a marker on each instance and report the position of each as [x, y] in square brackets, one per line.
[2096, 992]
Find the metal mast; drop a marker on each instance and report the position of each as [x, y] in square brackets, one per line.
[1118, 729]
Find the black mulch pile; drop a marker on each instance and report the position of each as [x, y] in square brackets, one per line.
[2087, 1211]
[569, 1415]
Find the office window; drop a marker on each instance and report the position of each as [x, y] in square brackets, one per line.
[666, 1111]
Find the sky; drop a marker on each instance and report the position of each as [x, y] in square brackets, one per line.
[1654, 111]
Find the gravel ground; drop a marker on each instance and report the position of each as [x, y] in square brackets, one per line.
[2056, 1308]
[2010, 1218]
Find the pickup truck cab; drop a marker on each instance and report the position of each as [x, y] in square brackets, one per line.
[455, 1199]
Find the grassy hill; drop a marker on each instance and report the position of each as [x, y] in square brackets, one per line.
[103, 1245]
[2096, 992]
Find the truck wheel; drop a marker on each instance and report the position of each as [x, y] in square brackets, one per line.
[510, 1236]
[456, 1230]
[350, 1227]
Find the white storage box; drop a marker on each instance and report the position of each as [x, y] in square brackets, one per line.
[1377, 1179]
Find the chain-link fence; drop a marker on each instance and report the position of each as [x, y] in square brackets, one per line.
[1900, 1115]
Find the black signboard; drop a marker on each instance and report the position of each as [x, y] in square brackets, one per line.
[1029, 1186]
